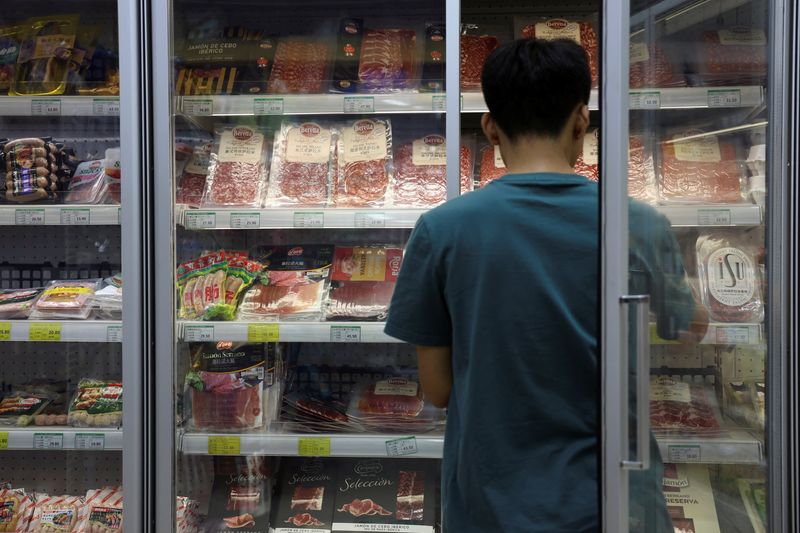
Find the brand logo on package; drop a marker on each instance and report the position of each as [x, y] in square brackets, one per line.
[397, 381]
[242, 134]
[364, 127]
[313, 466]
[297, 250]
[368, 468]
[394, 265]
[310, 129]
[557, 24]
[351, 28]
[433, 140]
[224, 345]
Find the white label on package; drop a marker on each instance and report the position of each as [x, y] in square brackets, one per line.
[670, 391]
[683, 453]
[429, 150]
[198, 163]
[48, 441]
[47, 107]
[308, 143]
[268, 106]
[90, 441]
[558, 29]
[241, 144]
[29, 217]
[590, 148]
[365, 140]
[731, 276]
[400, 447]
[396, 387]
[345, 333]
[702, 150]
[498, 157]
[639, 52]
[245, 220]
[742, 37]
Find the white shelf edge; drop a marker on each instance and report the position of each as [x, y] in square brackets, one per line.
[739, 447]
[62, 106]
[198, 331]
[23, 438]
[341, 445]
[68, 330]
[60, 215]
[712, 215]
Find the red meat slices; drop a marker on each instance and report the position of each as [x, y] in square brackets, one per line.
[588, 40]
[474, 52]
[281, 300]
[640, 171]
[301, 165]
[587, 170]
[362, 183]
[701, 181]
[488, 171]
[426, 185]
[746, 58]
[236, 409]
[235, 183]
[677, 415]
[374, 401]
[365, 507]
[307, 498]
[307, 183]
[652, 69]
[360, 299]
[363, 160]
[190, 189]
[299, 67]
[321, 410]
[410, 495]
[387, 58]
[304, 519]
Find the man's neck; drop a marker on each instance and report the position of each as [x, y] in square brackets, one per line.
[534, 155]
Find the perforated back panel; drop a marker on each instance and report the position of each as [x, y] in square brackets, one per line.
[59, 472]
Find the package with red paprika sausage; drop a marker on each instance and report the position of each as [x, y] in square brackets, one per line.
[237, 175]
[364, 170]
[651, 67]
[734, 55]
[476, 45]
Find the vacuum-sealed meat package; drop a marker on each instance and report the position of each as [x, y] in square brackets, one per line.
[113, 167]
[66, 300]
[475, 49]
[192, 182]
[302, 166]
[587, 164]
[650, 67]
[735, 55]
[19, 408]
[388, 58]
[17, 303]
[16, 509]
[393, 404]
[682, 408]
[730, 285]
[582, 32]
[31, 170]
[364, 163]
[363, 280]
[88, 184]
[237, 175]
[300, 67]
[700, 169]
[97, 403]
[420, 171]
[45, 57]
[641, 170]
[55, 513]
[491, 165]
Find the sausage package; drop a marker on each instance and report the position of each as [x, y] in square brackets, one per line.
[201, 286]
[69, 299]
[43, 63]
[491, 165]
[19, 408]
[302, 168]
[102, 511]
[237, 175]
[55, 513]
[475, 50]
[16, 509]
[31, 166]
[364, 169]
[363, 281]
[580, 31]
[97, 403]
[17, 303]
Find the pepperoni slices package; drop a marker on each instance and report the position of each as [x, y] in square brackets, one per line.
[734, 56]
[475, 49]
[580, 31]
[88, 184]
[55, 513]
[490, 165]
[16, 509]
[363, 281]
[102, 511]
[651, 67]
[300, 67]
[192, 181]
[364, 163]
[302, 165]
[588, 163]
[305, 495]
[237, 175]
[730, 285]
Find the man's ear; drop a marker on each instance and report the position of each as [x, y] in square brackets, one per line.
[581, 121]
[489, 127]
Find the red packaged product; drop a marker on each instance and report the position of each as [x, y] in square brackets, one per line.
[492, 165]
[650, 66]
[364, 169]
[396, 397]
[703, 169]
[387, 59]
[587, 162]
[641, 171]
[421, 172]
[677, 407]
[301, 165]
[740, 51]
[238, 172]
[192, 182]
[475, 49]
[578, 31]
[299, 67]
[363, 282]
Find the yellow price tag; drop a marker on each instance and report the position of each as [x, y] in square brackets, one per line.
[263, 332]
[218, 445]
[45, 331]
[655, 339]
[3, 440]
[314, 446]
[5, 331]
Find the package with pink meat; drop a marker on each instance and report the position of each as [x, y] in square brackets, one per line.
[238, 171]
[362, 282]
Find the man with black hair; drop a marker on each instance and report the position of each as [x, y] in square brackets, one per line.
[499, 291]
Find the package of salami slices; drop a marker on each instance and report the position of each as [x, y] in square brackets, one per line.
[237, 175]
[364, 170]
[650, 66]
[490, 165]
[192, 181]
[730, 285]
[588, 164]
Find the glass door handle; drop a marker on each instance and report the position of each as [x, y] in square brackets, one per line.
[642, 324]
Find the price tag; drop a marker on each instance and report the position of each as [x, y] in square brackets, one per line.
[314, 446]
[345, 333]
[369, 220]
[263, 332]
[46, 107]
[29, 217]
[105, 107]
[724, 97]
[44, 332]
[75, 217]
[398, 447]
[90, 441]
[714, 217]
[114, 334]
[359, 104]
[681, 453]
[218, 445]
[245, 220]
[198, 333]
[645, 100]
[309, 219]
[201, 107]
[48, 441]
[201, 220]
[733, 335]
[439, 103]
[5, 331]
[268, 106]
[3, 440]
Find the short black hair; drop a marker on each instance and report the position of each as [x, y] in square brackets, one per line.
[531, 86]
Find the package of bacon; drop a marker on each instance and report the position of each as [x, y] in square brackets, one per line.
[241, 496]
[305, 496]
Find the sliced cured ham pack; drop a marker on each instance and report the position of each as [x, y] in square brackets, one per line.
[241, 495]
[305, 496]
[363, 280]
[680, 408]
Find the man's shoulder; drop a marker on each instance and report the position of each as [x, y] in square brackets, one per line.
[642, 216]
[460, 208]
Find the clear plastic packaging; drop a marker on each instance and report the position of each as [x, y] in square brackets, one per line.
[55, 513]
[31, 166]
[107, 301]
[16, 509]
[17, 303]
[641, 170]
[88, 184]
[362, 282]
[19, 408]
[587, 164]
[680, 408]
[651, 67]
[192, 182]
[201, 286]
[237, 176]
[475, 49]
[44, 60]
[113, 168]
[364, 170]
[491, 165]
[734, 56]
[301, 66]
[69, 299]
[388, 60]
[97, 403]
[102, 511]
[187, 515]
[393, 404]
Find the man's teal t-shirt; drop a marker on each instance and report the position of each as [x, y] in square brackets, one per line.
[509, 277]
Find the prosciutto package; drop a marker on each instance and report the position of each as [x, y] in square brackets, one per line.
[421, 173]
[681, 408]
[16, 509]
[475, 49]
[301, 171]
[581, 32]
[192, 182]
[363, 282]
[88, 184]
[364, 166]
[237, 175]
[735, 55]
[491, 165]
[393, 404]
[387, 60]
[300, 67]
[702, 169]
[730, 287]
[55, 513]
[650, 67]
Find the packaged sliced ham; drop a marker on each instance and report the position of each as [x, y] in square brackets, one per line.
[701, 169]
[300, 66]
[582, 32]
[55, 513]
[730, 285]
[364, 163]
[302, 165]
[309, 412]
[16, 509]
[475, 49]
[388, 58]
[393, 404]
[192, 181]
[201, 286]
[363, 280]
[491, 165]
[237, 175]
[102, 511]
[97, 403]
[682, 408]
[66, 300]
[17, 303]
[650, 67]
[735, 55]
[88, 184]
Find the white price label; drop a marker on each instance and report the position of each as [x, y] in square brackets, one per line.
[114, 334]
[245, 220]
[268, 106]
[345, 333]
[724, 98]
[90, 441]
[714, 217]
[201, 220]
[733, 335]
[369, 220]
[308, 219]
[198, 333]
[680, 453]
[645, 100]
[29, 217]
[46, 107]
[105, 107]
[48, 441]
[359, 104]
[399, 447]
[439, 103]
[201, 107]
[75, 217]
